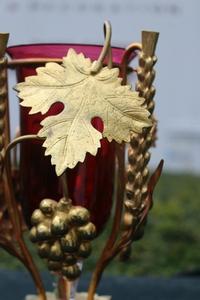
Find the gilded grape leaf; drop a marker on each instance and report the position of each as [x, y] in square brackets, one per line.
[70, 134]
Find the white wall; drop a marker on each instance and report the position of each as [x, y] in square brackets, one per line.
[177, 80]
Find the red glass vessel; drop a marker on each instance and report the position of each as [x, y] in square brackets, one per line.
[90, 183]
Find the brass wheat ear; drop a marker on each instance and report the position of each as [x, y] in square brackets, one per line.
[137, 172]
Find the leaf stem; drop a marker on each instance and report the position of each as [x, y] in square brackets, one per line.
[63, 178]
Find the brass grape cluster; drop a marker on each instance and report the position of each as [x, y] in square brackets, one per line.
[63, 233]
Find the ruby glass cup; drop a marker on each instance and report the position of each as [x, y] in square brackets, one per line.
[90, 183]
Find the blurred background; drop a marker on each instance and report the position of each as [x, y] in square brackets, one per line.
[172, 238]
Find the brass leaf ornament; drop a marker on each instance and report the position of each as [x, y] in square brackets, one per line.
[85, 94]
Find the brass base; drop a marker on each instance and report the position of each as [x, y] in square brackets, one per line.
[79, 296]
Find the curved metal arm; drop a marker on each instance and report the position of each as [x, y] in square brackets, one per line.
[15, 218]
[9, 186]
[19, 140]
[125, 59]
[97, 65]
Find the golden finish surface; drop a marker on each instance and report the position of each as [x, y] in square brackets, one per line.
[85, 95]
[63, 233]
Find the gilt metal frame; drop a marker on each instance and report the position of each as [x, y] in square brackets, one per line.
[131, 210]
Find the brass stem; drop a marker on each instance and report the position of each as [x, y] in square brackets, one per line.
[62, 287]
[107, 34]
[107, 27]
[63, 178]
[97, 65]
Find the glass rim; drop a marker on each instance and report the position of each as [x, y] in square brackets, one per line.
[62, 44]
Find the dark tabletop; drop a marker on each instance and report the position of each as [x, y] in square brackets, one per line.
[14, 285]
